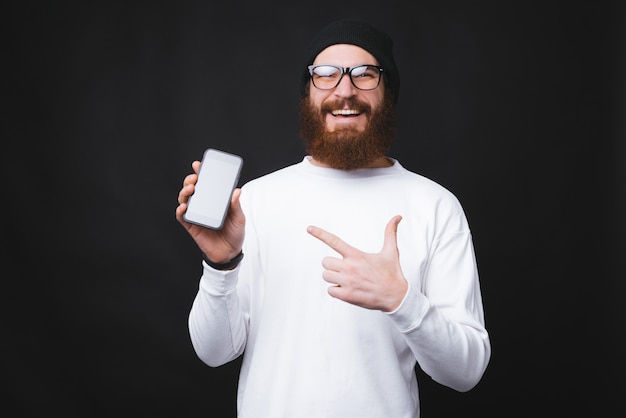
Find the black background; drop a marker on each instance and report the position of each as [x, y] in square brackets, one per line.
[516, 107]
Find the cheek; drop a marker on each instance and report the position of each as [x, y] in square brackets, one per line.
[377, 99]
[317, 98]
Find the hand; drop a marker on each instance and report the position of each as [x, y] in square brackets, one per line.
[372, 281]
[220, 246]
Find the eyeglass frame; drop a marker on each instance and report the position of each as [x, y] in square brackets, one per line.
[346, 70]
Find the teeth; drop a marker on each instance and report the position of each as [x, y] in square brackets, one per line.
[345, 112]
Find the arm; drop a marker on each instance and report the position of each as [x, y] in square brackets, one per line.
[217, 325]
[216, 320]
[442, 322]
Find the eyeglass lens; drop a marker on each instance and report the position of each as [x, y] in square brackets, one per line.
[326, 77]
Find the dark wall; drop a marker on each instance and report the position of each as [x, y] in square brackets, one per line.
[517, 107]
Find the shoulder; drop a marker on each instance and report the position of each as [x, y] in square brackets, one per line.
[428, 193]
[274, 183]
[425, 184]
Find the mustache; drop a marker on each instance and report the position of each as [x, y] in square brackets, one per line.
[350, 103]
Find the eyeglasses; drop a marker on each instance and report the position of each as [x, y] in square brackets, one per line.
[363, 77]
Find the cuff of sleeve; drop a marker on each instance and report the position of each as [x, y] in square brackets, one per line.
[218, 282]
[411, 311]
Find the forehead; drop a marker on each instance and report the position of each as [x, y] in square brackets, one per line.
[345, 55]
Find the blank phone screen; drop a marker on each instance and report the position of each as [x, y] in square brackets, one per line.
[217, 178]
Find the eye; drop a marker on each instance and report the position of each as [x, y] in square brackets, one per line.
[365, 71]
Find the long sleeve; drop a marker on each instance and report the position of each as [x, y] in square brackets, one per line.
[443, 322]
[217, 324]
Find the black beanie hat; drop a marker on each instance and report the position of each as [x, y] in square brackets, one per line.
[361, 34]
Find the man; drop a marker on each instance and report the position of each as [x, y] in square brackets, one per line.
[355, 269]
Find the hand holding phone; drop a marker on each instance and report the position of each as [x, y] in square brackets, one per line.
[217, 178]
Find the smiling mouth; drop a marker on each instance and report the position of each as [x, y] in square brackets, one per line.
[345, 112]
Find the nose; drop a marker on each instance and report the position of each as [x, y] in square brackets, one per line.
[345, 88]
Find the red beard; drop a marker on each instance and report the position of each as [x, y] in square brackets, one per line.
[347, 149]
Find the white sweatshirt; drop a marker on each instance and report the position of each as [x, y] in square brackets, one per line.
[309, 355]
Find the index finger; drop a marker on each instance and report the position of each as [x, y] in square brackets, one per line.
[331, 240]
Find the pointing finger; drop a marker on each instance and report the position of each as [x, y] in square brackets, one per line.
[331, 240]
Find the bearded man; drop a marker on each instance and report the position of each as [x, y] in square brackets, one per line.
[355, 271]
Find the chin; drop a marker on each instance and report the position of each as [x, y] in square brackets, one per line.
[345, 127]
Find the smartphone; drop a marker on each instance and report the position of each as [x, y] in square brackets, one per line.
[217, 178]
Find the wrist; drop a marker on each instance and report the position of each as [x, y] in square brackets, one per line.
[227, 265]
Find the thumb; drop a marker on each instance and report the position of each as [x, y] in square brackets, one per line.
[235, 206]
[235, 213]
[234, 198]
[391, 243]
